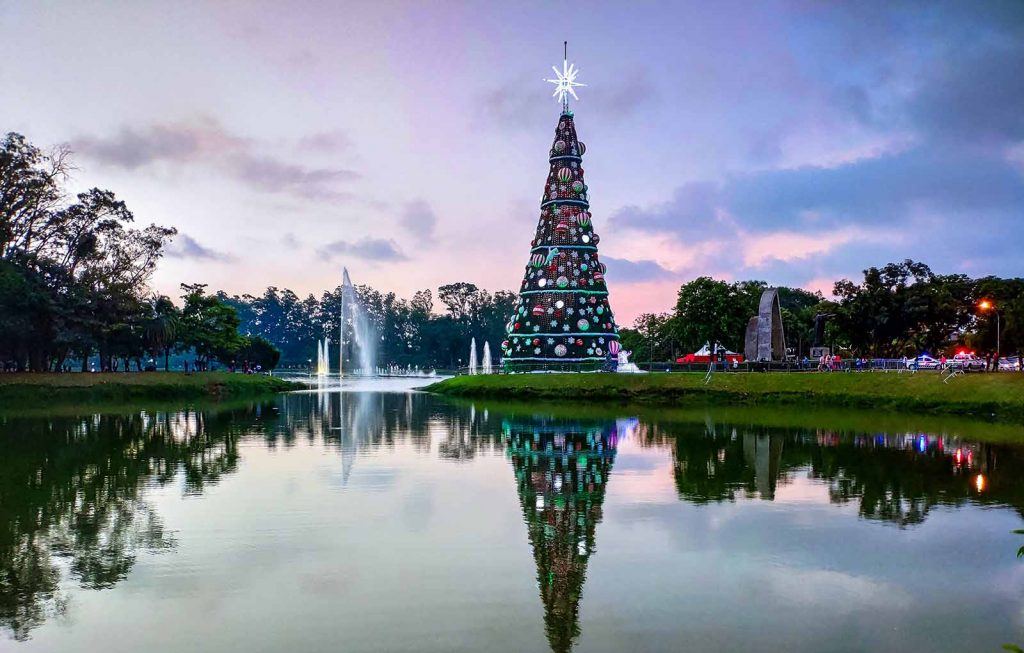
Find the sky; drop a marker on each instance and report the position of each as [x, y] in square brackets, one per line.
[792, 142]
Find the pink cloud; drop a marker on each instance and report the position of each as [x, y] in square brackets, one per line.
[786, 246]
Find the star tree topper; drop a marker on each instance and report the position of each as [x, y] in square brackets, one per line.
[565, 81]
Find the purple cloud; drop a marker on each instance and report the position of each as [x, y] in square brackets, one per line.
[369, 249]
[419, 219]
[186, 247]
[207, 142]
[625, 270]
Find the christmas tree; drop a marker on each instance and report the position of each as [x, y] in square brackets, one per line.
[562, 318]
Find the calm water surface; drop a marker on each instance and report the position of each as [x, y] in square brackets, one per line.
[393, 521]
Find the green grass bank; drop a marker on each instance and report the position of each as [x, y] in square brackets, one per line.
[18, 391]
[999, 396]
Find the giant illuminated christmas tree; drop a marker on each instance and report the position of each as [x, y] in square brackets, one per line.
[562, 319]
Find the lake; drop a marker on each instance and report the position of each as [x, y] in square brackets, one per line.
[379, 519]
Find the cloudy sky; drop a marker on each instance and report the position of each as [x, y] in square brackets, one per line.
[794, 142]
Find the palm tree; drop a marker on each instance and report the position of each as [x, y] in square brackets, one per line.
[162, 328]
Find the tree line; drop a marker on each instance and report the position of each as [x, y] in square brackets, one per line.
[410, 332]
[74, 275]
[899, 309]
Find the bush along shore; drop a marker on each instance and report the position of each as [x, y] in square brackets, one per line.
[983, 395]
[21, 390]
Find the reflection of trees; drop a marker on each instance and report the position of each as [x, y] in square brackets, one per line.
[896, 478]
[354, 422]
[900, 483]
[72, 499]
[561, 470]
[719, 463]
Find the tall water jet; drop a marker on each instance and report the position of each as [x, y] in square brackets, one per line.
[486, 368]
[472, 356]
[362, 340]
[323, 363]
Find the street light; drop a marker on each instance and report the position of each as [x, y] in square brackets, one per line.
[987, 305]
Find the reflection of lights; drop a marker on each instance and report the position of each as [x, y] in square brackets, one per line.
[922, 444]
[980, 482]
[959, 456]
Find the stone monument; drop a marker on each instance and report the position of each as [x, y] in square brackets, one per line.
[765, 340]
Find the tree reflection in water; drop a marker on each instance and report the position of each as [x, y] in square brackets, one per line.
[562, 469]
[72, 504]
[72, 490]
[896, 478]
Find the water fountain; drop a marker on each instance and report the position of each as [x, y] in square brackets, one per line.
[472, 356]
[323, 364]
[486, 369]
[362, 340]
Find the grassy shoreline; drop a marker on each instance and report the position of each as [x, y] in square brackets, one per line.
[18, 391]
[990, 396]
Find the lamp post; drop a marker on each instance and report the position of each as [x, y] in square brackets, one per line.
[987, 305]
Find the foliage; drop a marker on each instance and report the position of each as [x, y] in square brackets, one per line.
[259, 352]
[410, 333]
[652, 338]
[903, 309]
[210, 326]
[73, 274]
[708, 310]
[163, 328]
[900, 309]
